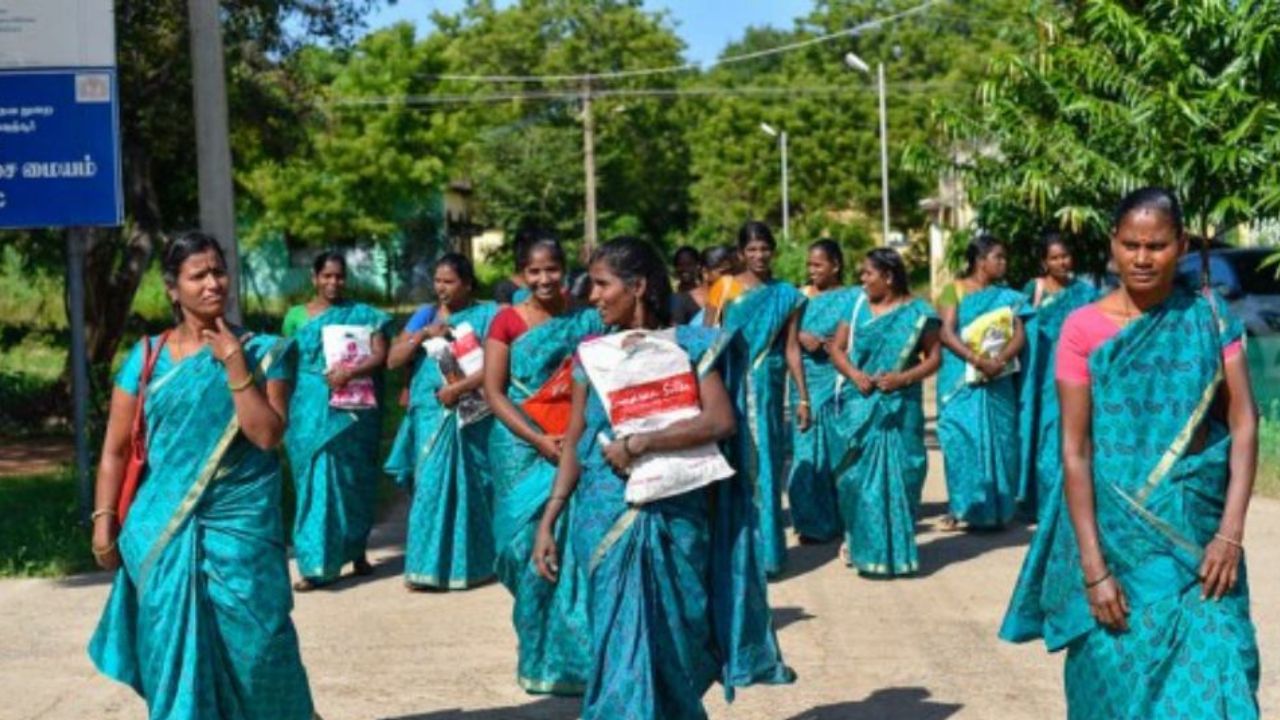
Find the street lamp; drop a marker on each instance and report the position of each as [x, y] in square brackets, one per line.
[856, 63]
[786, 208]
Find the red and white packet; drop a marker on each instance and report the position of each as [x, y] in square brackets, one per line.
[647, 382]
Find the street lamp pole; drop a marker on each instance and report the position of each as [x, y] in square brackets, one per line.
[855, 62]
[786, 184]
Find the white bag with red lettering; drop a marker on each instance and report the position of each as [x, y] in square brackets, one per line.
[646, 382]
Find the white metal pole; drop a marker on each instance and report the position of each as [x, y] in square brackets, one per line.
[884, 157]
[213, 143]
[786, 189]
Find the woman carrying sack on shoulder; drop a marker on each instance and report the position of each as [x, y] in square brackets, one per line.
[201, 547]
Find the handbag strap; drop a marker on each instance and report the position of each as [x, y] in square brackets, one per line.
[149, 357]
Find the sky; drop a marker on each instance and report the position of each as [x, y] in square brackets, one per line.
[705, 25]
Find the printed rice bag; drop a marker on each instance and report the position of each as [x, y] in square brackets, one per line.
[647, 382]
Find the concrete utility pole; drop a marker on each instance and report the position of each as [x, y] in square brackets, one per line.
[884, 155]
[589, 167]
[213, 143]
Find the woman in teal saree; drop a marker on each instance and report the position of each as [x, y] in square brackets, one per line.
[884, 349]
[764, 312]
[526, 347]
[1138, 569]
[677, 593]
[449, 543]
[198, 617]
[811, 487]
[977, 390]
[333, 453]
[1052, 297]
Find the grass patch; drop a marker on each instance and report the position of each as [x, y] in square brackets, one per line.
[41, 537]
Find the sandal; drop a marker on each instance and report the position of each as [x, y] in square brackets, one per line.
[949, 523]
[304, 585]
[362, 567]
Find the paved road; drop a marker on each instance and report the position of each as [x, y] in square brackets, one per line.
[919, 649]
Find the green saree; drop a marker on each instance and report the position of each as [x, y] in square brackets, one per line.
[1040, 469]
[1158, 504]
[550, 619]
[881, 465]
[760, 316]
[449, 544]
[811, 489]
[332, 455]
[198, 617]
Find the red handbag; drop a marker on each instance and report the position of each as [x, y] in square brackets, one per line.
[137, 463]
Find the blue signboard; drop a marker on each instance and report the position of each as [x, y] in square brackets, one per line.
[59, 148]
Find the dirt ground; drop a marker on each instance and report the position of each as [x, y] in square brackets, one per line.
[917, 649]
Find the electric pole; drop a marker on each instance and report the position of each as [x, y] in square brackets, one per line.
[213, 143]
[589, 167]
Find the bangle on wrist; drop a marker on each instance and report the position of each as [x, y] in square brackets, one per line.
[803, 403]
[1229, 540]
[1091, 584]
[102, 551]
[100, 512]
[237, 387]
[626, 445]
[227, 355]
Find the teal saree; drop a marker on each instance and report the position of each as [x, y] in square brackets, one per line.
[198, 617]
[332, 454]
[978, 426]
[550, 619]
[1158, 504]
[676, 588]
[449, 544]
[882, 463]
[760, 315]
[1040, 468]
[811, 488]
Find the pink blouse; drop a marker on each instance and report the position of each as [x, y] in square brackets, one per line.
[1086, 330]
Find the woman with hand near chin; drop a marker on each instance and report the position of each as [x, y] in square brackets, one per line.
[198, 617]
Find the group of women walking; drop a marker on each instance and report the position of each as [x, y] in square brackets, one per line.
[1047, 403]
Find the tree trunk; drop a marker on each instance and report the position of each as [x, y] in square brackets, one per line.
[115, 261]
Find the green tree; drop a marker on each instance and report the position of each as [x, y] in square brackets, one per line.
[526, 155]
[1115, 95]
[158, 135]
[369, 162]
[834, 135]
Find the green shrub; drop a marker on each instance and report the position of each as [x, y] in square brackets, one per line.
[1268, 479]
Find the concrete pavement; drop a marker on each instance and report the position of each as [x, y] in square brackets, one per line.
[916, 649]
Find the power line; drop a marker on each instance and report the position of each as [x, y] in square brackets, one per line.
[659, 93]
[689, 67]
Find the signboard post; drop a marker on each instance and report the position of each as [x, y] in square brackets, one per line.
[60, 149]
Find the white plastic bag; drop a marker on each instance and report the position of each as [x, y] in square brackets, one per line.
[346, 346]
[646, 382]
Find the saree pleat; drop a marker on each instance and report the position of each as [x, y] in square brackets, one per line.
[449, 542]
[550, 619]
[677, 591]
[811, 488]
[978, 427]
[1158, 505]
[333, 455]
[1040, 466]
[198, 617]
[760, 315]
[882, 463]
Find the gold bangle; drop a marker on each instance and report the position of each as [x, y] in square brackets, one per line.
[100, 512]
[231, 352]
[1229, 541]
[803, 403]
[237, 387]
[104, 551]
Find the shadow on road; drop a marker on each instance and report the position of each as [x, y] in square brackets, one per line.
[89, 579]
[545, 709]
[908, 702]
[961, 546]
[802, 559]
[784, 616]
